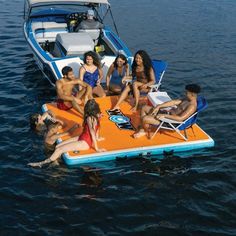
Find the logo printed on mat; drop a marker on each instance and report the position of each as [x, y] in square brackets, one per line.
[122, 122]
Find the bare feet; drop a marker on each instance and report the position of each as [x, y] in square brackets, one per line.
[35, 164]
[134, 109]
[115, 108]
[139, 134]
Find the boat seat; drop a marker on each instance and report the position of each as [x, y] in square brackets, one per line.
[47, 31]
[93, 33]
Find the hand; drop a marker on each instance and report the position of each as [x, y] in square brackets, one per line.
[160, 117]
[144, 86]
[50, 113]
[99, 82]
[126, 79]
[101, 150]
[155, 111]
[100, 139]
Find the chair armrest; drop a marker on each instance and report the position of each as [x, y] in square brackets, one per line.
[170, 121]
[154, 87]
[127, 80]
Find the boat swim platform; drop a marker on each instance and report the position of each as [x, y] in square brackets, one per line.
[117, 129]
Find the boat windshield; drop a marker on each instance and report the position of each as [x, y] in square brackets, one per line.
[53, 9]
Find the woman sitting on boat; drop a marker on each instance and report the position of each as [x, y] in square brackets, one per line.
[143, 76]
[116, 74]
[91, 73]
[88, 139]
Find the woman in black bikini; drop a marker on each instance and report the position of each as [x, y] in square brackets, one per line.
[143, 77]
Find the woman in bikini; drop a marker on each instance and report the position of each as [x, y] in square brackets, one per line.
[40, 122]
[88, 138]
[143, 77]
[116, 73]
[92, 74]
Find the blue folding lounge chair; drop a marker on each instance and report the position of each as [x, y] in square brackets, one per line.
[177, 126]
[159, 70]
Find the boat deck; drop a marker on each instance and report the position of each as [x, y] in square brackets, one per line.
[119, 141]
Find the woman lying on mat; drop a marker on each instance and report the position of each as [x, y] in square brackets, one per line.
[88, 139]
[41, 122]
[116, 73]
[143, 76]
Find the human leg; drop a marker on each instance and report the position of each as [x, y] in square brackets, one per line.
[136, 86]
[99, 91]
[145, 125]
[73, 146]
[122, 97]
[115, 88]
[68, 141]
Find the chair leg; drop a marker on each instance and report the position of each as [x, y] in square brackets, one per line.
[178, 131]
[193, 131]
[158, 128]
[185, 134]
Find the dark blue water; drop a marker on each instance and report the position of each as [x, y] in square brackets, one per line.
[198, 39]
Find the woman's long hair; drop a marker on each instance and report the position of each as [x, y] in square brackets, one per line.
[147, 63]
[122, 57]
[92, 110]
[94, 55]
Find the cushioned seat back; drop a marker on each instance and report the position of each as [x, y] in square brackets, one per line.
[159, 69]
[47, 31]
[201, 105]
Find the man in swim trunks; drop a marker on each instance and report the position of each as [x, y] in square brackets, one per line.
[66, 98]
[179, 110]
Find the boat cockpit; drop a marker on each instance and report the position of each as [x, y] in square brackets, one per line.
[68, 35]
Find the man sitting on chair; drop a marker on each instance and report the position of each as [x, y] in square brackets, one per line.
[179, 110]
[90, 22]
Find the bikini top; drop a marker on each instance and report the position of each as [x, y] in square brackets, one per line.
[116, 75]
[141, 77]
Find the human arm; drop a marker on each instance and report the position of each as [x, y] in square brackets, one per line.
[98, 137]
[171, 103]
[69, 131]
[51, 116]
[92, 129]
[77, 82]
[127, 69]
[185, 115]
[81, 73]
[108, 77]
[100, 72]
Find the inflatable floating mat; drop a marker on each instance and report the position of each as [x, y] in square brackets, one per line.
[117, 129]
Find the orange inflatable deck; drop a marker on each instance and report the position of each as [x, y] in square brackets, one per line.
[118, 130]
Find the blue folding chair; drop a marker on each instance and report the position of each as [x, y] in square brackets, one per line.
[177, 126]
[159, 70]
